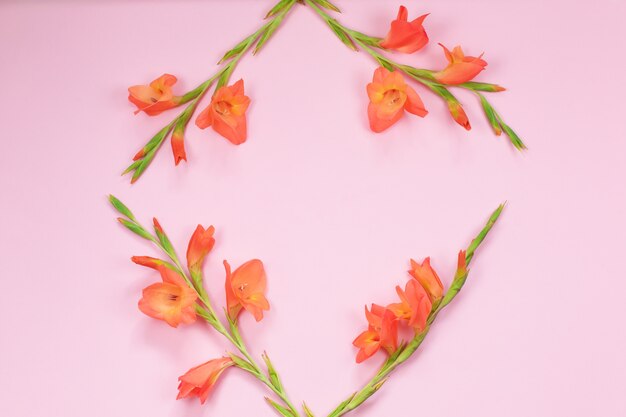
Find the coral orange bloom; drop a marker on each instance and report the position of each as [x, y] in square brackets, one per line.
[428, 278]
[389, 96]
[405, 36]
[200, 245]
[154, 98]
[199, 381]
[382, 332]
[460, 68]
[414, 305]
[171, 300]
[227, 113]
[245, 288]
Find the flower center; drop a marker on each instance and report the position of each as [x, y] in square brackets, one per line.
[394, 99]
[223, 107]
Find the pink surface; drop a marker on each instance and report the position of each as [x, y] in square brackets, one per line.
[334, 210]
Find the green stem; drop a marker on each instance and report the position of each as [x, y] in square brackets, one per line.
[193, 96]
[407, 351]
[208, 313]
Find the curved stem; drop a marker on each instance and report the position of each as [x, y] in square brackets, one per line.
[405, 352]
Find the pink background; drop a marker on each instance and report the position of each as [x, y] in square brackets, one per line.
[334, 210]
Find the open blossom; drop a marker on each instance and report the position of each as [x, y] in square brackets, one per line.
[389, 97]
[227, 113]
[200, 245]
[245, 288]
[414, 305]
[154, 98]
[199, 381]
[171, 300]
[382, 332]
[428, 278]
[460, 68]
[405, 36]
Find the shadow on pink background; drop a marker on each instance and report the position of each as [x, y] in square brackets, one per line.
[334, 211]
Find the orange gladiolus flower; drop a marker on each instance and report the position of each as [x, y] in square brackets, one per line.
[389, 96]
[227, 113]
[428, 278]
[200, 245]
[171, 301]
[199, 381]
[414, 305]
[245, 288]
[382, 332]
[460, 68]
[155, 98]
[405, 36]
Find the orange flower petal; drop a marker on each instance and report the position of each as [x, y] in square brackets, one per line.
[414, 103]
[404, 36]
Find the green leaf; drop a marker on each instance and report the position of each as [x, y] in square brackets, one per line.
[491, 115]
[271, 371]
[483, 234]
[154, 145]
[307, 410]
[135, 228]
[165, 241]
[267, 33]
[384, 62]
[132, 166]
[279, 7]
[243, 364]
[121, 208]
[156, 139]
[327, 5]
[282, 410]
[342, 35]
[515, 140]
[237, 49]
[485, 87]
[342, 406]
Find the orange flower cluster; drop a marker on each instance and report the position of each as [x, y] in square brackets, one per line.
[226, 112]
[175, 299]
[421, 295]
[389, 94]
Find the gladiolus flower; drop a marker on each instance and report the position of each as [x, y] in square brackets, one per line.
[460, 68]
[227, 113]
[171, 300]
[155, 98]
[200, 245]
[178, 144]
[405, 36]
[389, 96]
[199, 381]
[414, 305]
[245, 288]
[428, 278]
[382, 332]
[458, 114]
